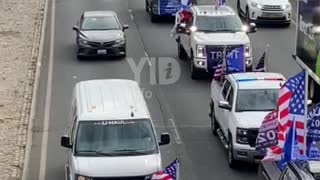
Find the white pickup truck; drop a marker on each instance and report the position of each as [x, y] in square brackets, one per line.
[211, 27]
[237, 109]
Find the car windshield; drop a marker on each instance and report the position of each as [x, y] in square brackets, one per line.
[100, 23]
[218, 24]
[257, 99]
[116, 137]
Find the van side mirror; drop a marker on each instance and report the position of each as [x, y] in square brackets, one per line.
[164, 139]
[125, 26]
[224, 105]
[76, 28]
[65, 142]
[252, 28]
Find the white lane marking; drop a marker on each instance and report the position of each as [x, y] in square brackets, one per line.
[149, 62]
[44, 145]
[293, 22]
[132, 17]
[177, 137]
[74, 77]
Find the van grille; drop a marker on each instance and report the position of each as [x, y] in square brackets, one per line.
[272, 8]
[252, 136]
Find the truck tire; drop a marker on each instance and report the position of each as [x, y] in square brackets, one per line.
[248, 19]
[214, 125]
[194, 71]
[239, 8]
[231, 161]
[154, 17]
[181, 52]
[147, 6]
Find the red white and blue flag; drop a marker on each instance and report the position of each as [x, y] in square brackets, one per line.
[219, 70]
[291, 109]
[170, 173]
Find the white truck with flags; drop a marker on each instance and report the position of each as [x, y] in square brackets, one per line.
[237, 109]
[215, 32]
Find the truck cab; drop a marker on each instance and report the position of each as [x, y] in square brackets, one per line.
[237, 109]
[295, 170]
[212, 26]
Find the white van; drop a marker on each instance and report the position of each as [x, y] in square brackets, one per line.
[112, 135]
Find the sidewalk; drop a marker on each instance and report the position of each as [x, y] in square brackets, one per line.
[19, 37]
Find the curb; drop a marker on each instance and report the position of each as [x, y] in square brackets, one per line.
[38, 55]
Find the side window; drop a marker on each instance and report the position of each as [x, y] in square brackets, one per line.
[74, 119]
[225, 88]
[230, 96]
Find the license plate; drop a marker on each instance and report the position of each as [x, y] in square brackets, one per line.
[102, 51]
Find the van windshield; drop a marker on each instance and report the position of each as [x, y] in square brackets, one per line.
[115, 138]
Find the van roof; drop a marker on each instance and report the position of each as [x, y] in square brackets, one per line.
[110, 100]
[212, 10]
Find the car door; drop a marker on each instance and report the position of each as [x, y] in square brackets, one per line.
[72, 134]
[223, 96]
[226, 114]
[185, 38]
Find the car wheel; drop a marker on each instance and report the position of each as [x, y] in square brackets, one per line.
[147, 6]
[181, 52]
[154, 17]
[231, 161]
[214, 125]
[238, 8]
[248, 19]
[194, 70]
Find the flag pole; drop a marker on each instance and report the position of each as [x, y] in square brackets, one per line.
[178, 168]
[266, 59]
[306, 111]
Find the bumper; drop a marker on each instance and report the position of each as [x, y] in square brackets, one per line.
[201, 63]
[270, 17]
[246, 153]
[102, 51]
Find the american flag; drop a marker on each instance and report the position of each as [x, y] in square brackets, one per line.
[219, 70]
[261, 64]
[291, 106]
[170, 173]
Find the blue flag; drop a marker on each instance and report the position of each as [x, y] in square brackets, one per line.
[291, 148]
[313, 133]
[235, 60]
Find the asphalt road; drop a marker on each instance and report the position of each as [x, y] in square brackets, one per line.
[180, 108]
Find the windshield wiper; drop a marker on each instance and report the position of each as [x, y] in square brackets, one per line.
[130, 151]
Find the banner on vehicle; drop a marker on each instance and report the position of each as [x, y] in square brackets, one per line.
[235, 58]
[313, 133]
[267, 135]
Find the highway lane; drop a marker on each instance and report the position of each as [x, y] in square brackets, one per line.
[186, 101]
[67, 70]
[189, 99]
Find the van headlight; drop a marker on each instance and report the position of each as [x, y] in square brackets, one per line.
[248, 51]
[286, 6]
[80, 177]
[201, 51]
[256, 5]
[242, 136]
